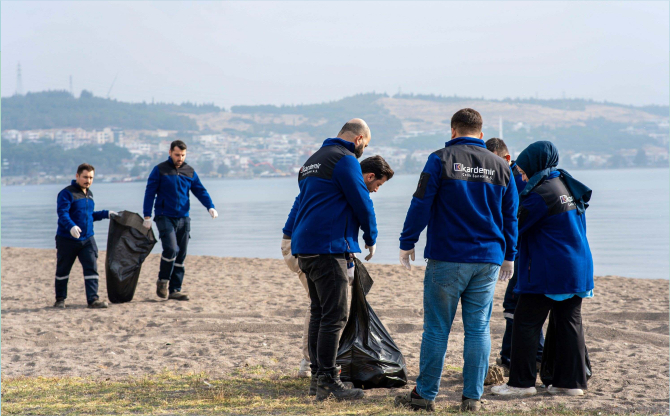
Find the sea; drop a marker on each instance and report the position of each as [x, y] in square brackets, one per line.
[628, 223]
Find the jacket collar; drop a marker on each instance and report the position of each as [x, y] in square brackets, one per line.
[336, 141]
[75, 184]
[172, 163]
[465, 141]
[513, 165]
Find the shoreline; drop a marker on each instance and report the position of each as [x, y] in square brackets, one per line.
[248, 313]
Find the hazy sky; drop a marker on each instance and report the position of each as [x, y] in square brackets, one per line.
[303, 52]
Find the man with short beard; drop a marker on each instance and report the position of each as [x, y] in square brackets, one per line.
[324, 221]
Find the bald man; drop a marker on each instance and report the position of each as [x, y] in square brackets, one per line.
[333, 204]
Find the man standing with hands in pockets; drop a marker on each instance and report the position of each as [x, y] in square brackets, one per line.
[169, 184]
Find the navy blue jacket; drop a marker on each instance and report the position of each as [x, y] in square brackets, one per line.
[170, 187]
[555, 257]
[468, 199]
[75, 207]
[518, 178]
[332, 205]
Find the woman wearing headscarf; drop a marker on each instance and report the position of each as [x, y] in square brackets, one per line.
[555, 273]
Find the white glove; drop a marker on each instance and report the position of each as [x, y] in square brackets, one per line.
[213, 213]
[506, 271]
[290, 259]
[405, 256]
[147, 223]
[372, 250]
[75, 231]
[112, 213]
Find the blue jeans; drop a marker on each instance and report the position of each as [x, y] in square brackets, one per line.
[444, 285]
[174, 234]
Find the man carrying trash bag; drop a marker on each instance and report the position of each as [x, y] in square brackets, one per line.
[333, 203]
[74, 237]
[169, 185]
[467, 197]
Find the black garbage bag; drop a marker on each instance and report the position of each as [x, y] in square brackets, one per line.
[549, 355]
[367, 354]
[128, 244]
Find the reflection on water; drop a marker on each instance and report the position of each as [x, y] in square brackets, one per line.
[628, 224]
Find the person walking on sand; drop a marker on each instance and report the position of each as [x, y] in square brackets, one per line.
[74, 236]
[555, 274]
[499, 147]
[375, 173]
[467, 197]
[168, 189]
[332, 205]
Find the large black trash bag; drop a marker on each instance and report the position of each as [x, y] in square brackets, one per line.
[367, 354]
[549, 355]
[128, 244]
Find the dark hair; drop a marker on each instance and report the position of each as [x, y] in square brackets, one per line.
[83, 167]
[467, 121]
[355, 127]
[378, 166]
[497, 146]
[179, 144]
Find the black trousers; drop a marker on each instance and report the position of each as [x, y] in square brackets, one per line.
[529, 316]
[327, 282]
[67, 251]
[174, 234]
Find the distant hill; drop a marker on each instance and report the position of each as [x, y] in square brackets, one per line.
[59, 109]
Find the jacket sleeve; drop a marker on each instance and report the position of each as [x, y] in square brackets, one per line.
[100, 215]
[288, 227]
[510, 207]
[200, 192]
[63, 208]
[532, 210]
[349, 178]
[150, 192]
[418, 213]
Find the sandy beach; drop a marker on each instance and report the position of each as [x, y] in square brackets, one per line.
[249, 312]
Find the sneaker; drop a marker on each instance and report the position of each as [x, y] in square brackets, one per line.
[98, 304]
[413, 401]
[330, 385]
[60, 303]
[178, 296]
[162, 288]
[313, 384]
[507, 390]
[304, 370]
[471, 405]
[562, 390]
[504, 365]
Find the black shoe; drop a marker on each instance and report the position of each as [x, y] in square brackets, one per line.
[60, 303]
[330, 384]
[178, 296]
[98, 304]
[413, 401]
[313, 384]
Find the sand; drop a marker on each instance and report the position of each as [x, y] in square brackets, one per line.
[250, 312]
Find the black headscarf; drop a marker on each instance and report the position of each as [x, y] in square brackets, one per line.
[540, 159]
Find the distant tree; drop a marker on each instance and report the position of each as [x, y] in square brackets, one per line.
[206, 166]
[223, 169]
[617, 161]
[641, 158]
[135, 171]
[581, 161]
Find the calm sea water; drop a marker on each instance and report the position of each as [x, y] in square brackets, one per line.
[628, 221]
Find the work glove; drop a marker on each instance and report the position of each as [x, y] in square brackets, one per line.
[372, 250]
[506, 271]
[213, 213]
[290, 259]
[405, 256]
[147, 223]
[112, 213]
[75, 231]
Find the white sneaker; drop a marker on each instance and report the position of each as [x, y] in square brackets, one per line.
[562, 390]
[505, 390]
[304, 370]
